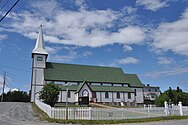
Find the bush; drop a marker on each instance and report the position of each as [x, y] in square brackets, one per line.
[49, 94]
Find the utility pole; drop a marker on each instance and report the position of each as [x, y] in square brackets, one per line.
[4, 83]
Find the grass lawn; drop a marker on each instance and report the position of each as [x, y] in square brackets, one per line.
[44, 116]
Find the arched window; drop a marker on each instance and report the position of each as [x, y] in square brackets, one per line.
[118, 95]
[85, 93]
[69, 94]
[106, 95]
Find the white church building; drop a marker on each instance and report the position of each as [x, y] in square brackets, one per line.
[92, 83]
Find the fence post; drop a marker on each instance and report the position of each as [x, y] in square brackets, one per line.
[122, 111]
[144, 106]
[148, 111]
[181, 109]
[166, 108]
[90, 113]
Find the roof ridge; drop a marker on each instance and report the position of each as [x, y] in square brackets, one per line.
[85, 65]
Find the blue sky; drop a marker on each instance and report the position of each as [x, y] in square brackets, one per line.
[144, 37]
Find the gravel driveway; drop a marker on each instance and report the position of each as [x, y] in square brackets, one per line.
[18, 113]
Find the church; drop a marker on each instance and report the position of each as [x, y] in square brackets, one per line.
[99, 84]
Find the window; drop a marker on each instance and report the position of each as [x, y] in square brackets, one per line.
[129, 95]
[118, 95]
[155, 90]
[85, 93]
[135, 92]
[149, 90]
[39, 58]
[106, 95]
[69, 94]
[94, 94]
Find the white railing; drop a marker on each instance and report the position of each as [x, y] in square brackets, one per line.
[88, 113]
[185, 110]
[46, 108]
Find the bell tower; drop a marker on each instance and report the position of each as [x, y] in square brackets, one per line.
[39, 56]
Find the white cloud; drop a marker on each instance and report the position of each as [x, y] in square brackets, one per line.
[86, 53]
[79, 28]
[52, 50]
[127, 48]
[44, 7]
[164, 60]
[168, 72]
[65, 58]
[14, 89]
[128, 60]
[2, 37]
[81, 4]
[1, 80]
[72, 54]
[173, 36]
[152, 5]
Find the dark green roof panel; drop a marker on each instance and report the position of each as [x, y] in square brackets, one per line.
[133, 80]
[96, 74]
[80, 73]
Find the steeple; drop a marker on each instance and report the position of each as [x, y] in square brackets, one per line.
[39, 46]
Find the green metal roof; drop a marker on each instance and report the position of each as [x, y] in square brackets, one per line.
[80, 73]
[99, 88]
[95, 74]
[133, 79]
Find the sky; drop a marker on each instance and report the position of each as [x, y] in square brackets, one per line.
[144, 37]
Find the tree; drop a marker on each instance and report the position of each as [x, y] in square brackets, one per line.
[161, 99]
[183, 97]
[16, 96]
[178, 89]
[173, 96]
[49, 94]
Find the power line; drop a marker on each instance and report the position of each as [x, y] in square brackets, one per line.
[16, 77]
[10, 67]
[9, 10]
[4, 5]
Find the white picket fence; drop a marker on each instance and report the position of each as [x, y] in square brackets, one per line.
[88, 113]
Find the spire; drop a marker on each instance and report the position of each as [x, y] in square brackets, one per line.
[39, 47]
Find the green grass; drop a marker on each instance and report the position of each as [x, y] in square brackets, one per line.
[44, 116]
[86, 122]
